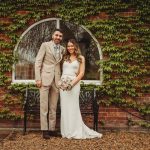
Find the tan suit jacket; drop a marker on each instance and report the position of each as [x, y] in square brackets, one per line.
[46, 66]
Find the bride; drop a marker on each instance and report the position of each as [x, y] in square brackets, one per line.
[72, 125]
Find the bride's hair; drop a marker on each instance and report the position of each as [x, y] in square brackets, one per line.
[77, 51]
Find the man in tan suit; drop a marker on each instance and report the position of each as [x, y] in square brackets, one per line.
[47, 75]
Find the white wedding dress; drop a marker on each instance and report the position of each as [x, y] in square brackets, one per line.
[72, 125]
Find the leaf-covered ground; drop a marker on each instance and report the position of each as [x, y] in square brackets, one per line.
[109, 141]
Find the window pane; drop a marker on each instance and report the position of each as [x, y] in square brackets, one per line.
[87, 45]
[29, 47]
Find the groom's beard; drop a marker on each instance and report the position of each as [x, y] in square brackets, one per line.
[57, 41]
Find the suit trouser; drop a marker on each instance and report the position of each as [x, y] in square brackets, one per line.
[48, 105]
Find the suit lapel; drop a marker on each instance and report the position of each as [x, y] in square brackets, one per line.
[51, 48]
[61, 54]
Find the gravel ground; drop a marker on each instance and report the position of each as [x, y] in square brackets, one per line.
[109, 141]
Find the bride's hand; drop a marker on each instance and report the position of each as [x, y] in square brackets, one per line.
[69, 87]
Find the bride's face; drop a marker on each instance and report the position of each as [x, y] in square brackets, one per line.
[70, 48]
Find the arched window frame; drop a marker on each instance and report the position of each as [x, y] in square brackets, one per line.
[96, 82]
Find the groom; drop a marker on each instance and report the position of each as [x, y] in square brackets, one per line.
[47, 75]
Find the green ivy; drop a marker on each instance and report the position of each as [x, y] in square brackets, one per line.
[124, 41]
[6, 113]
[6, 61]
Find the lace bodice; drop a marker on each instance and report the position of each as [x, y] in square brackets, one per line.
[70, 69]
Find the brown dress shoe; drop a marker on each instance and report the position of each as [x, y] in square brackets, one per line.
[46, 135]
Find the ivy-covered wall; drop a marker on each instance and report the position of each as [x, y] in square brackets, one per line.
[122, 28]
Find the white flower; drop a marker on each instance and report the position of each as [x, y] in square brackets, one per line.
[64, 83]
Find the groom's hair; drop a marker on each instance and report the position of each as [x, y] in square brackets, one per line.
[58, 30]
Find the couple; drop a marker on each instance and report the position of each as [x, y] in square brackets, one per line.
[48, 75]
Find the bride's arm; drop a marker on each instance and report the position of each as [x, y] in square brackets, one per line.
[81, 72]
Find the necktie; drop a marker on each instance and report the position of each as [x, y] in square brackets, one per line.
[56, 49]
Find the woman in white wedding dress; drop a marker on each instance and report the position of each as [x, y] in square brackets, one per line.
[72, 125]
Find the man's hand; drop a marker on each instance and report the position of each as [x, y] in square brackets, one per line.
[38, 83]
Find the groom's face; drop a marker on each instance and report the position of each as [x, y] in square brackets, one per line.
[57, 37]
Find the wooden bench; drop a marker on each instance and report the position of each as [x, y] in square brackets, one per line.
[88, 98]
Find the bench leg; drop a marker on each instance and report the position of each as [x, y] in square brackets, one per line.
[25, 123]
[95, 122]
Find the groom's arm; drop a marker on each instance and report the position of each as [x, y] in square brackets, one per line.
[38, 64]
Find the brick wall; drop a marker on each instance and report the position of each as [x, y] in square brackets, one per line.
[109, 117]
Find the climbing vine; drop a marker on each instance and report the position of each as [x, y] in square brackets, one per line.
[123, 32]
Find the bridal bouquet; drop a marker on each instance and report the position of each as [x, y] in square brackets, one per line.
[65, 83]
